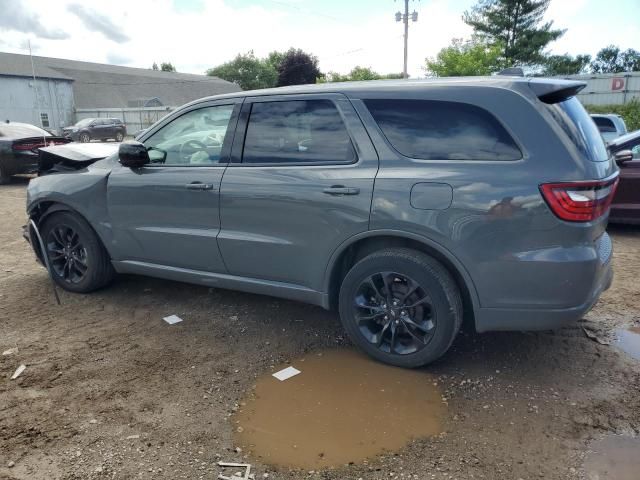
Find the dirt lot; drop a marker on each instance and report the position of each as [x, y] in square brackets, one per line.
[112, 391]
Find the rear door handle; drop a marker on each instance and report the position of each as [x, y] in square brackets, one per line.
[341, 190]
[199, 186]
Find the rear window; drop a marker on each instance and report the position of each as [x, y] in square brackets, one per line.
[436, 130]
[22, 131]
[604, 124]
[580, 128]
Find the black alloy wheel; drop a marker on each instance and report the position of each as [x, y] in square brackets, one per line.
[394, 313]
[67, 254]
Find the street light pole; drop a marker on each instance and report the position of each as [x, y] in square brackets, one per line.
[406, 37]
[404, 17]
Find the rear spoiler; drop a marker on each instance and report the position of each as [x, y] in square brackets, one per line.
[550, 90]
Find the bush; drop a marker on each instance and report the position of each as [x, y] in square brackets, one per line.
[630, 112]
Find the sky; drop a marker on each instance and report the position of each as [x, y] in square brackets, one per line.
[196, 35]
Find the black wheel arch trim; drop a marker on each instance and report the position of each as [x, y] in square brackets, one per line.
[427, 242]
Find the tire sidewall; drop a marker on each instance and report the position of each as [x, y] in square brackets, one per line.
[446, 325]
[89, 241]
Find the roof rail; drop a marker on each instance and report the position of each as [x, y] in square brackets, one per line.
[512, 71]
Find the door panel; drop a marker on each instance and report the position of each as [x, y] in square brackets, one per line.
[282, 221]
[167, 213]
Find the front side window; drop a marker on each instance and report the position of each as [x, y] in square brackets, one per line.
[194, 138]
[297, 131]
[437, 130]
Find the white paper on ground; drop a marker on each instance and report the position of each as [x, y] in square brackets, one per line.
[18, 371]
[11, 351]
[171, 319]
[287, 373]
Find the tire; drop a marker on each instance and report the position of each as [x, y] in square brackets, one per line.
[4, 176]
[88, 266]
[119, 137]
[424, 324]
[85, 137]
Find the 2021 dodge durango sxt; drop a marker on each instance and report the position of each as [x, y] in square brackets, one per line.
[404, 205]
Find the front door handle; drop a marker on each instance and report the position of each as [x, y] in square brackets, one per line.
[199, 186]
[341, 190]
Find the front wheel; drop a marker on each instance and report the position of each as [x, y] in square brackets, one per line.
[401, 306]
[85, 137]
[79, 262]
[119, 137]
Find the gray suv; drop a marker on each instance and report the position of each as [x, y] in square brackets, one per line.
[404, 205]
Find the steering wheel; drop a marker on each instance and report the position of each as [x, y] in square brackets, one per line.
[195, 145]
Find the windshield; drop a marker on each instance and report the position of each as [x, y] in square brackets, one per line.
[84, 122]
[580, 128]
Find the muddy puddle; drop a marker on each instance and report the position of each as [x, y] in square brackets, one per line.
[342, 408]
[613, 458]
[628, 340]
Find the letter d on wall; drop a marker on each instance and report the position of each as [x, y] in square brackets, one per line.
[617, 83]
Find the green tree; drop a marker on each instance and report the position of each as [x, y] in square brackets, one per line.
[248, 71]
[167, 67]
[357, 73]
[154, 66]
[465, 58]
[612, 60]
[566, 64]
[517, 25]
[297, 68]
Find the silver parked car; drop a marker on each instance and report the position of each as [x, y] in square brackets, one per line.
[404, 205]
[611, 125]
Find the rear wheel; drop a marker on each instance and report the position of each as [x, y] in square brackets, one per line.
[85, 137]
[401, 306]
[4, 176]
[78, 260]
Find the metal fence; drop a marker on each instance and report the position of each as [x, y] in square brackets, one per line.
[609, 88]
[136, 118]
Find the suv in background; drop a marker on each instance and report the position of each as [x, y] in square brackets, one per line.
[404, 205]
[610, 125]
[89, 129]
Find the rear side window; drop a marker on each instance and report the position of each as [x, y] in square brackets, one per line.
[604, 124]
[297, 131]
[580, 128]
[436, 130]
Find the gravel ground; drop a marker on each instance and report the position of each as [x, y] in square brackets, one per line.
[112, 391]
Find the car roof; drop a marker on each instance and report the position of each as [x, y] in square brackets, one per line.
[14, 130]
[540, 85]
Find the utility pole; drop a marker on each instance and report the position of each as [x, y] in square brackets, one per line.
[404, 17]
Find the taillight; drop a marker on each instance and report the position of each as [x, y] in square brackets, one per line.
[25, 146]
[580, 201]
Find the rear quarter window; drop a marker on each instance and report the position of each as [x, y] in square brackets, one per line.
[580, 128]
[437, 130]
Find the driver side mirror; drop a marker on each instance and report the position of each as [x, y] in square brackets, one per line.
[623, 156]
[133, 154]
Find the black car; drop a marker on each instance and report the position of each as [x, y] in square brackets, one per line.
[19, 143]
[89, 129]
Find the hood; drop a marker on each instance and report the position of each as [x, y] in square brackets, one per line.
[72, 156]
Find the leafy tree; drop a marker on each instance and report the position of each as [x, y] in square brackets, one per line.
[248, 71]
[154, 66]
[357, 73]
[167, 67]
[566, 64]
[275, 58]
[466, 58]
[297, 68]
[612, 60]
[517, 25]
